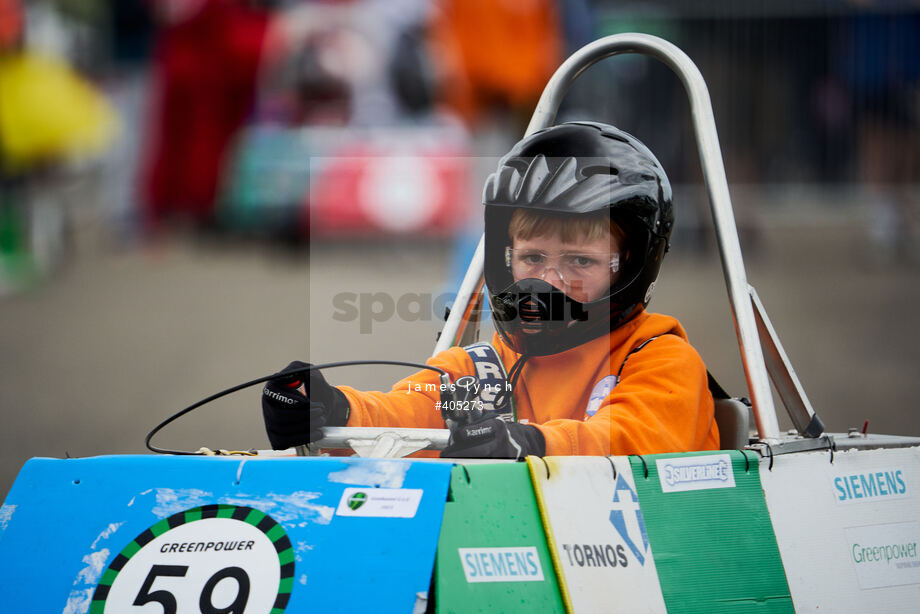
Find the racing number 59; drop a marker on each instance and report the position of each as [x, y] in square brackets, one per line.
[205, 603]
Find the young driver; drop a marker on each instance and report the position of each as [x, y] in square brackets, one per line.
[577, 221]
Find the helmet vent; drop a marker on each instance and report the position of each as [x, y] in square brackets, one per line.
[534, 180]
[529, 310]
[508, 179]
[590, 171]
[614, 137]
[562, 181]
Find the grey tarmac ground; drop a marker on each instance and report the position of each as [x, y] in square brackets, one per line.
[117, 340]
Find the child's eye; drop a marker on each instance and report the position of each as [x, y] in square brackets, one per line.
[582, 262]
[532, 258]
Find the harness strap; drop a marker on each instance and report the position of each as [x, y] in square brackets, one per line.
[495, 392]
[716, 389]
[633, 351]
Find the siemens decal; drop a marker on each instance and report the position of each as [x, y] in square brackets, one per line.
[870, 486]
[501, 564]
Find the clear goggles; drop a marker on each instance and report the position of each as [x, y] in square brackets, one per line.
[569, 266]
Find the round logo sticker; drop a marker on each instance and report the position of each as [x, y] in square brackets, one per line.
[600, 391]
[210, 559]
[357, 500]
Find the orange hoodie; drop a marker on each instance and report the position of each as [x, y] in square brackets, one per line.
[661, 402]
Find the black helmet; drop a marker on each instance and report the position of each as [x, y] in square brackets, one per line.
[571, 169]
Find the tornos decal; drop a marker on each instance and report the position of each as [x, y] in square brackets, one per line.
[626, 518]
[595, 555]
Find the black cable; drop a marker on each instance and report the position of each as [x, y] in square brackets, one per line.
[747, 463]
[516, 370]
[612, 466]
[644, 465]
[281, 374]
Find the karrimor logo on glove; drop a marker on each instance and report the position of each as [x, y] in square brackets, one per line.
[278, 397]
[479, 431]
[695, 473]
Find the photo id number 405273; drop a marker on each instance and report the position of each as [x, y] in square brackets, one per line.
[466, 405]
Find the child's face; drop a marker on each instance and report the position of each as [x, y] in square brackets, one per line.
[582, 269]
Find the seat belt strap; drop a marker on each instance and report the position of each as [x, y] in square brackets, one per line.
[494, 389]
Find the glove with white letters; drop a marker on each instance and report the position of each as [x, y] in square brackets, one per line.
[293, 418]
[495, 438]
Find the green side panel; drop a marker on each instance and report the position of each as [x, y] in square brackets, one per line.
[493, 507]
[714, 549]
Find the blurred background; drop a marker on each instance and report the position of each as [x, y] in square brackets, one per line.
[195, 192]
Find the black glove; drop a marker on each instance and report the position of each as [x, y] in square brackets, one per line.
[495, 438]
[292, 418]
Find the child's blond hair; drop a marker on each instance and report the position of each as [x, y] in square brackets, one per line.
[529, 223]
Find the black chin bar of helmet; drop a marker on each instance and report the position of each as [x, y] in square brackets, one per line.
[534, 316]
[535, 300]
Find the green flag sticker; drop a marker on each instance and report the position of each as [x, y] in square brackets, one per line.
[356, 500]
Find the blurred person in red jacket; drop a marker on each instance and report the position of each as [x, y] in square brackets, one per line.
[207, 55]
[577, 221]
[11, 21]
